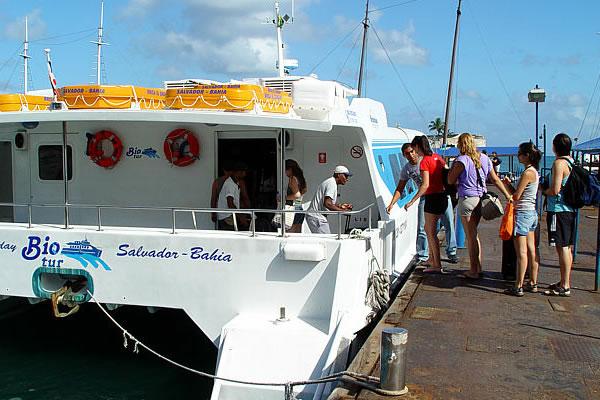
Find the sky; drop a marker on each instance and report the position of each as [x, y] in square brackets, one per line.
[505, 48]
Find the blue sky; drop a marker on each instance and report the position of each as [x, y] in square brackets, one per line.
[505, 48]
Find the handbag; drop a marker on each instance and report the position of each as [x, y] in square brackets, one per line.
[508, 221]
[288, 219]
[491, 206]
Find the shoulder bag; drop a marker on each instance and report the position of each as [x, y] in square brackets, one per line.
[491, 206]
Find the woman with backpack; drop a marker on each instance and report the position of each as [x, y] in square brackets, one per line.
[560, 217]
[526, 218]
[472, 169]
[436, 199]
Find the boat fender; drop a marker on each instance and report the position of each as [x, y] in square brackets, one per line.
[181, 147]
[96, 153]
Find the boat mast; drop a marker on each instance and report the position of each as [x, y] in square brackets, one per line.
[26, 58]
[100, 43]
[364, 49]
[449, 96]
[279, 21]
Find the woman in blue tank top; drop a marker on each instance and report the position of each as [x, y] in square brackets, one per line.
[560, 217]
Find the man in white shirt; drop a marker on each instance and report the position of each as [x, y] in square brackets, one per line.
[324, 200]
[229, 197]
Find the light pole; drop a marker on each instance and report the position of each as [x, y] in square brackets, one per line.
[544, 137]
[536, 95]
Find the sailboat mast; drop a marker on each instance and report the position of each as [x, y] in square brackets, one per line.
[363, 51]
[279, 24]
[100, 43]
[26, 58]
[449, 96]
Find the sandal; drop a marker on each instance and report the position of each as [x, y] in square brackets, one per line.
[559, 291]
[472, 275]
[432, 270]
[514, 291]
[531, 287]
[554, 286]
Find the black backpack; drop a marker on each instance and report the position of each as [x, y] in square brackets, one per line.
[451, 189]
[581, 188]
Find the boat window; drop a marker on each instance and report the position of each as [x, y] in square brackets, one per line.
[395, 166]
[51, 162]
[381, 164]
[402, 160]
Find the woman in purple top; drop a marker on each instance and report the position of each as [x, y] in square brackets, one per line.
[472, 169]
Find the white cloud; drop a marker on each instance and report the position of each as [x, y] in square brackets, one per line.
[470, 94]
[239, 55]
[224, 37]
[36, 26]
[401, 47]
[568, 107]
[138, 8]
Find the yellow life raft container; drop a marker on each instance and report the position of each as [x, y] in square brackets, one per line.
[105, 97]
[230, 97]
[23, 102]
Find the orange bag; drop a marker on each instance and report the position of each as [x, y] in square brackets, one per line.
[508, 222]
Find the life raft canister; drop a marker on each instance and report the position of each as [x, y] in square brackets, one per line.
[181, 147]
[96, 152]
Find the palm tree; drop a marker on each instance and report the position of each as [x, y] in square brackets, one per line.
[437, 125]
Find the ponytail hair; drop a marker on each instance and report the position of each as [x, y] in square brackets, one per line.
[422, 143]
[532, 153]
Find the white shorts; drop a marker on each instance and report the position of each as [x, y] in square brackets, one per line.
[316, 225]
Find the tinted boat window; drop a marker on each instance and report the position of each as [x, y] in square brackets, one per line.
[51, 164]
[395, 167]
[402, 160]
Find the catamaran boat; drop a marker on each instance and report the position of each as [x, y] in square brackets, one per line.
[106, 191]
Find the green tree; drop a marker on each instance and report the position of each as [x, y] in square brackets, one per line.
[437, 126]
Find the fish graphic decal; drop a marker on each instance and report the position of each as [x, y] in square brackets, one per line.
[84, 252]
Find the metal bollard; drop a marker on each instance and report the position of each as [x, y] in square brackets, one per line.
[393, 359]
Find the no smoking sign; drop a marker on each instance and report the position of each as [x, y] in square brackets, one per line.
[357, 151]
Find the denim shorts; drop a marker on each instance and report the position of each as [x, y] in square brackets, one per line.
[525, 221]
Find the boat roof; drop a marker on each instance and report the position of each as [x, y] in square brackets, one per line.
[591, 146]
[178, 116]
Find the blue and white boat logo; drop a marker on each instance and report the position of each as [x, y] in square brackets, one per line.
[84, 252]
[136, 152]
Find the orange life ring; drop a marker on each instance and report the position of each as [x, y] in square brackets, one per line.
[181, 147]
[96, 153]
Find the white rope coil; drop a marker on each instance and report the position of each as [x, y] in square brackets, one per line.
[378, 283]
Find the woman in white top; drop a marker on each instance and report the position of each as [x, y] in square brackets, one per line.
[525, 217]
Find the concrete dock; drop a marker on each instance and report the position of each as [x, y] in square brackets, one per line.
[469, 340]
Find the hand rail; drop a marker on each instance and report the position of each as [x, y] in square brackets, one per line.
[203, 210]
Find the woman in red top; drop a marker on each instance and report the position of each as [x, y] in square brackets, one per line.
[436, 200]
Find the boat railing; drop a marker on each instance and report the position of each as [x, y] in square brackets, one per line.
[175, 210]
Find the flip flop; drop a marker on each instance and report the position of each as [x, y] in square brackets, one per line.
[468, 275]
[432, 270]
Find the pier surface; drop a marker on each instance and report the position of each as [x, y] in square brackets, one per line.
[468, 340]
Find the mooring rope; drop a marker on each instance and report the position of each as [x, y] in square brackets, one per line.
[361, 380]
[378, 284]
